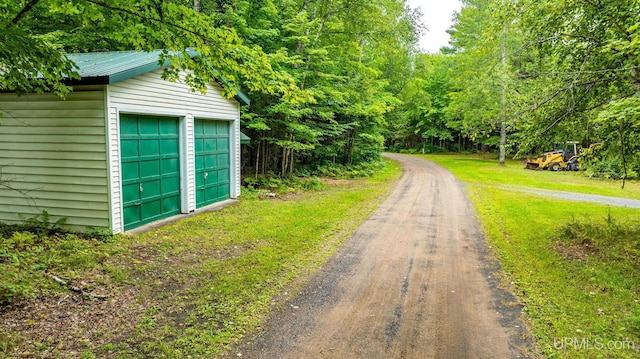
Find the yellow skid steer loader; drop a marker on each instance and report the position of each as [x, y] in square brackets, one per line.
[557, 160]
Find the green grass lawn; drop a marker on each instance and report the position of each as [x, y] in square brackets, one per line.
[189, 289]
[486, 170]
[574, 265]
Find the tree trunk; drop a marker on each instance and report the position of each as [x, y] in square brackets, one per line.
[258, 158]
[635, 77]
[284, 160]
[503, 115]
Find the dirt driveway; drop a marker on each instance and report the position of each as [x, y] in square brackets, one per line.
[414, 281]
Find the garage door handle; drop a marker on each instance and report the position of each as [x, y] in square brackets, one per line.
[206, 175]
[138, 203]
[141, 188]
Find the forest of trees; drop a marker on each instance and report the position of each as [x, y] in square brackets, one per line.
[333, 83]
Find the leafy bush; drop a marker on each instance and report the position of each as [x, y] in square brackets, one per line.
[610, 167]
[42, 224]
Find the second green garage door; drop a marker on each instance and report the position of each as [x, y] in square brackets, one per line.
[150, 152]
[212, 161]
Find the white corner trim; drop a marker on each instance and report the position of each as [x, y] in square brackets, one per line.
[115, 169]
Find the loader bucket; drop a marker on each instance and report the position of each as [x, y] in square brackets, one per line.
[532, 165]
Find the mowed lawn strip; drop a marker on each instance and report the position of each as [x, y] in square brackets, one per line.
[484, 169]
[581, 297]
[197, 286]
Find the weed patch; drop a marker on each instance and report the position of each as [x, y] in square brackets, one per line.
[27, 259]
[608, 240]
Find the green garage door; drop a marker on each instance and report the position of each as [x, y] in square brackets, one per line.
[212, 162]
[150, 149]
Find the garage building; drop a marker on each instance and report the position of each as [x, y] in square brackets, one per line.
[124, 149]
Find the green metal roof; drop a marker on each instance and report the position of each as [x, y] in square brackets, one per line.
[106, 68]
[244, 139]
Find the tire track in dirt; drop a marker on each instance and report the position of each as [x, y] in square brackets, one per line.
[415, 280]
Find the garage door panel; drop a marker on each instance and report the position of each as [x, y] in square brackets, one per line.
[150, 189]
[131, 193]
[149, 125]
[171, 204]
[128, 125]
[211, 128]
[200, 161]
[168, 146]
[224, 173]
[211, 192]
[222, 190]
[199, 145]
[170, 185]
[151, 210]
[210, 146]
[223, 128]
[223, 160]
[132, 213]
[167, 127]
[149, 168]
[149, 147]
[210, 161]
[129, 148]
[130, 171]
[200, 180]
[170, 166]
[214, 177]
[223, 144]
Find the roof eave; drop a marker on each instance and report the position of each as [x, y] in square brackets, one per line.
[242, 98]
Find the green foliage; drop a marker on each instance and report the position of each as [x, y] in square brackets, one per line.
[42, 225]
[550, 71]
[29, 251]
[39, 33]
[349, 58]
[611, 167]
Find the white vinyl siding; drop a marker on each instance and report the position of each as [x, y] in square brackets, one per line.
[151, 94]
[54, 152]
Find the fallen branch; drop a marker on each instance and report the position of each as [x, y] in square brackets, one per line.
[76, 289]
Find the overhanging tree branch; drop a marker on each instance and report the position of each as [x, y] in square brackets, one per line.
[562, 90]
[25, 10]
[158, 20]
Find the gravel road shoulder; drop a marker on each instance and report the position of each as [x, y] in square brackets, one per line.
[580, 197]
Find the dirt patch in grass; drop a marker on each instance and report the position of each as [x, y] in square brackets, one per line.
[338, 182]
[66, 325]
[574, 251]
